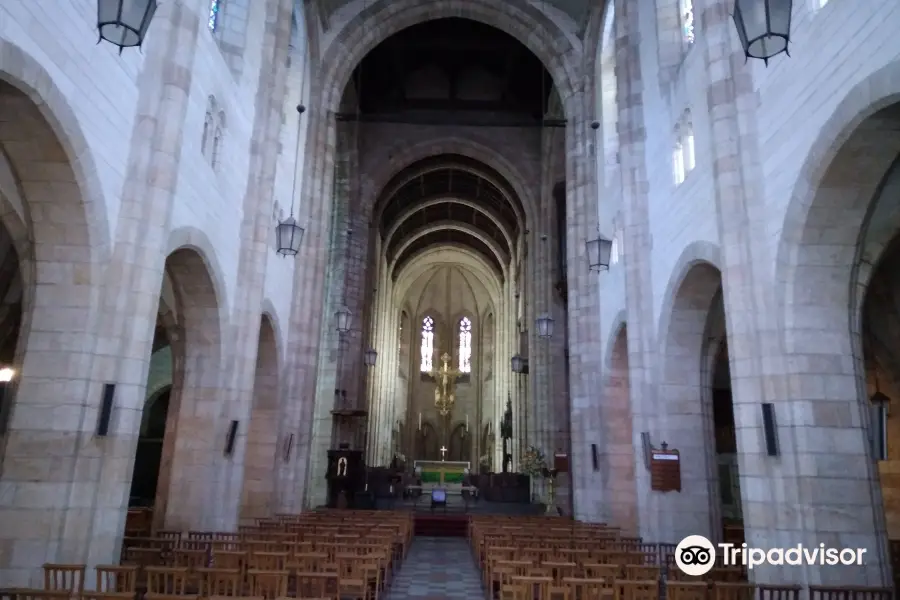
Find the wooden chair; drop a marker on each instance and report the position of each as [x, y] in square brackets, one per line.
[821, 592]
[69, 578]
[642, 572]
[589, 589]
[166, 581]
[316, 586]
[107, 596]
[221, 582]
[34, 594]
[636, 590]
[732, 591]
[685, 590]
[560, 591]
[778, 592]
[116, 578]
[268, 584]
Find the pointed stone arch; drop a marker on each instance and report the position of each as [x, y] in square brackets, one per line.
[194, 430]
[261, 453]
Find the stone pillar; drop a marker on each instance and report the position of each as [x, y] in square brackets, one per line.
[240, 368]
[307, 310]
[335, 347]
[64, 492]
[637, 263]
[585, 346]
[817, 492]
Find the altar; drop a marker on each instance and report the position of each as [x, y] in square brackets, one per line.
[440, 471]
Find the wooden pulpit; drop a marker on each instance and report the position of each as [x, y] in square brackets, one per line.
[346, 475]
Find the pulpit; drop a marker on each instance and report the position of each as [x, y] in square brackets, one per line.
[346, 475]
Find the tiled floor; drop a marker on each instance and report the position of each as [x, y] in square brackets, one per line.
[438, 569]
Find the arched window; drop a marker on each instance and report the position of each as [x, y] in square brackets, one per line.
[687, 21]
[427, 349]
[213, 21]
[465, 345]
[678, 159]
[687, 128]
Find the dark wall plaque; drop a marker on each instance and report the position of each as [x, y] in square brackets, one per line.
[665, 470]
[561, 462]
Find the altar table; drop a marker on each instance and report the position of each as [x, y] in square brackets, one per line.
[442, 471]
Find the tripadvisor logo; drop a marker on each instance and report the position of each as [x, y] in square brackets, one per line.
[695, 555]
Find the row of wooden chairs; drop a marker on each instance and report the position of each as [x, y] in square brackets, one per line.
[354, 555]
[542, 558]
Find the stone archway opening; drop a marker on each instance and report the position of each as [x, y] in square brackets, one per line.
[148, 455]
[11, 305]
[693, 339]
[177, 442]
[726, 509]
[53, 232]
[262, 437]
[616, 456]
[881, 350]
[836, 239]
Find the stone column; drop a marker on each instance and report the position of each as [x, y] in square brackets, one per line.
[240, 364]
[304, 329]
[64, 492]
[585, 346]
[814, 493]
[637, 264]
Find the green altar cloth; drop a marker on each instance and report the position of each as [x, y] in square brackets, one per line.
[441, 472]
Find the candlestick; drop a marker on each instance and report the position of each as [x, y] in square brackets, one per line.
[420, 421]
[467, 421]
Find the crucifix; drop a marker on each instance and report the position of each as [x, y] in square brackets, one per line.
[443, 452]
[445, 378]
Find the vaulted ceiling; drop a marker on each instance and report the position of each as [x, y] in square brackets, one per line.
[577, 9]
[449, 200]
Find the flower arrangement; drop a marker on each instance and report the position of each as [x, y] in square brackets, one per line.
[400, 457]
[485, 459]
[533, 462]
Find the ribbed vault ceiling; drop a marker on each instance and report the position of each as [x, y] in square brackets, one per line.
[574, 8]
[449, 200]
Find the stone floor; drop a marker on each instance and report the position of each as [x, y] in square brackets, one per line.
[438, 569]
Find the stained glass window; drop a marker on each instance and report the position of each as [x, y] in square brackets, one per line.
[214, 7]
[687, 20]
[427, 350]
[465, 345]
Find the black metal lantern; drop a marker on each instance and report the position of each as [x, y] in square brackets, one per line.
[288, 236]
[518, 364]
[342, 319]
[370, 357]
[599, 252]
[764, 27]
[544, 325]
[124, 23]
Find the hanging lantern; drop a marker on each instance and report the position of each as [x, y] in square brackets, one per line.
[342, 319]
[763, 26]
[370, 357]
[124, 23]
[518, 364]
[544, 326]
[599, 252]
[288, 236]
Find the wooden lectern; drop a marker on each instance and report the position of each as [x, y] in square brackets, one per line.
[346, 475]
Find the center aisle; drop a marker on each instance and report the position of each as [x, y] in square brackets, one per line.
[437, 568]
